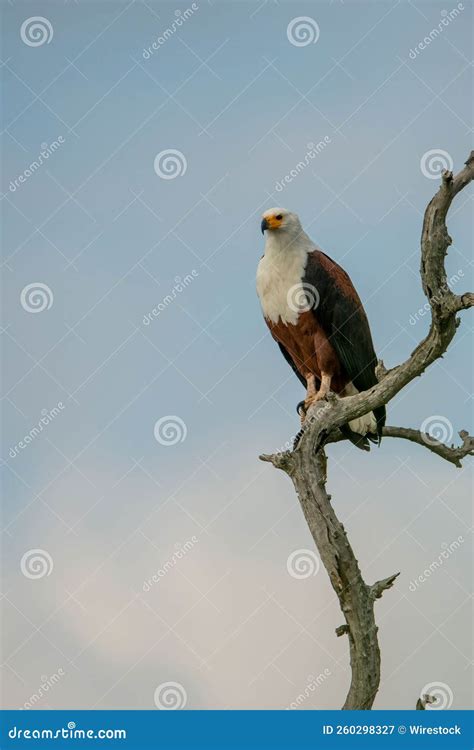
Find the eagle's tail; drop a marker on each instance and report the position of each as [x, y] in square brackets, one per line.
[360, 441]
[369, 426]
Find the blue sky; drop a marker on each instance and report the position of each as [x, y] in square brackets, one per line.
[111, 240]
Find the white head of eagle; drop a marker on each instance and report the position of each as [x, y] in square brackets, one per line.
[327, 343]
[281, 220]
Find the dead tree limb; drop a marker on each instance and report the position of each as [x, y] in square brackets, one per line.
[306, 465]
[450, 453]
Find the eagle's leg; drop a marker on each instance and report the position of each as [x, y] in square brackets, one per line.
[312, 394]
[310, 387]
[325, 386]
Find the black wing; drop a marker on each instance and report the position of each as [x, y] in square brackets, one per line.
[342, 316]
[292, 364]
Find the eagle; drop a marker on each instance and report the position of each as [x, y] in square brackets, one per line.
[317, 319]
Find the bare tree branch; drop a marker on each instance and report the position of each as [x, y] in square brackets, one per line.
[450, 453]
[306, 465]
[377, 588]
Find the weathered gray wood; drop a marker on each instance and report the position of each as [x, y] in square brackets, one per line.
[307, 464]
[449, 452]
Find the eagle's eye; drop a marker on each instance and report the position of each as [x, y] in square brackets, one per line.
[279, 217]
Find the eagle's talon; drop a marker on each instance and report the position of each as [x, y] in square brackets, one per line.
[310, 400]
[301, 411]
[319, 396]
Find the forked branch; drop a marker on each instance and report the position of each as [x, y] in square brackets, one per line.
[307, 463]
